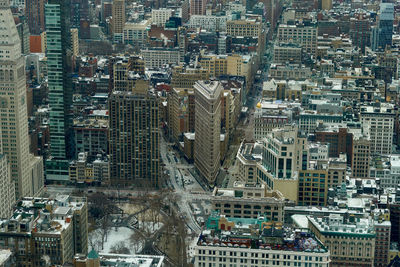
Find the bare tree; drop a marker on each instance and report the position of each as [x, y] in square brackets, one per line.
[137, 241]
[120, 248]
[94, 240]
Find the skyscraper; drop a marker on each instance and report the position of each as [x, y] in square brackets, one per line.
[207, 128]
[13, 107]
[381, 34]
[118, 19]
[134, 138]
[60, 88]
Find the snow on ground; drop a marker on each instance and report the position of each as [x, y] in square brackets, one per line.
[115, 236]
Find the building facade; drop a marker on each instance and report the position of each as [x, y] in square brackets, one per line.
[13, 106]
[118, 19]
[60, 88]
[134, 143]
[207, 128]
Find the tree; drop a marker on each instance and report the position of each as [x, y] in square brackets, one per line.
[120, 248]
[137, 241]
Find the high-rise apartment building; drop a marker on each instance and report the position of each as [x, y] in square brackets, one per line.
[198, 7]
[207, 128]
[13, 106]
[34, 11]
[118, 19]
[60, 88]
[134, 138]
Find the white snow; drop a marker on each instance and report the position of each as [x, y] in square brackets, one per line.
[115, 236]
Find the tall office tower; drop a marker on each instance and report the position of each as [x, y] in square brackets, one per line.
[207, 128]
[13, 107]
[118, 19]
[60, 88]
[381, 34]
[134, 134]
[34, 11]
[198, 7]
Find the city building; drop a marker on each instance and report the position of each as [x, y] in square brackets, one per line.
[160, 16]
[313, 187]
[326, 4]
[7, 188]
[208, 22]
[257, 242]
[296, 72]
[91, 136]
[361, 158]
[160, 57]
[310, 119]
[79, 17]
[245, 28]
[134, 145]
[351, 241]
[118, 19]
[14, 114]
[207, 128]
[338, 137]
[270, 115]
[381, 35]
[94, 259]
[186, 77]
[35, 16]
[136, 33]
[198, 7]
[302, 34]
[181, 113]
[75, 42]
[382, 244]
[360, 31]
[285, 152]
[53, 227]
[378, 124]
[247, 201]
[60, 89]
[287, 53]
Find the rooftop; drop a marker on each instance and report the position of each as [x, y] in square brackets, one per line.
[257, 234]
